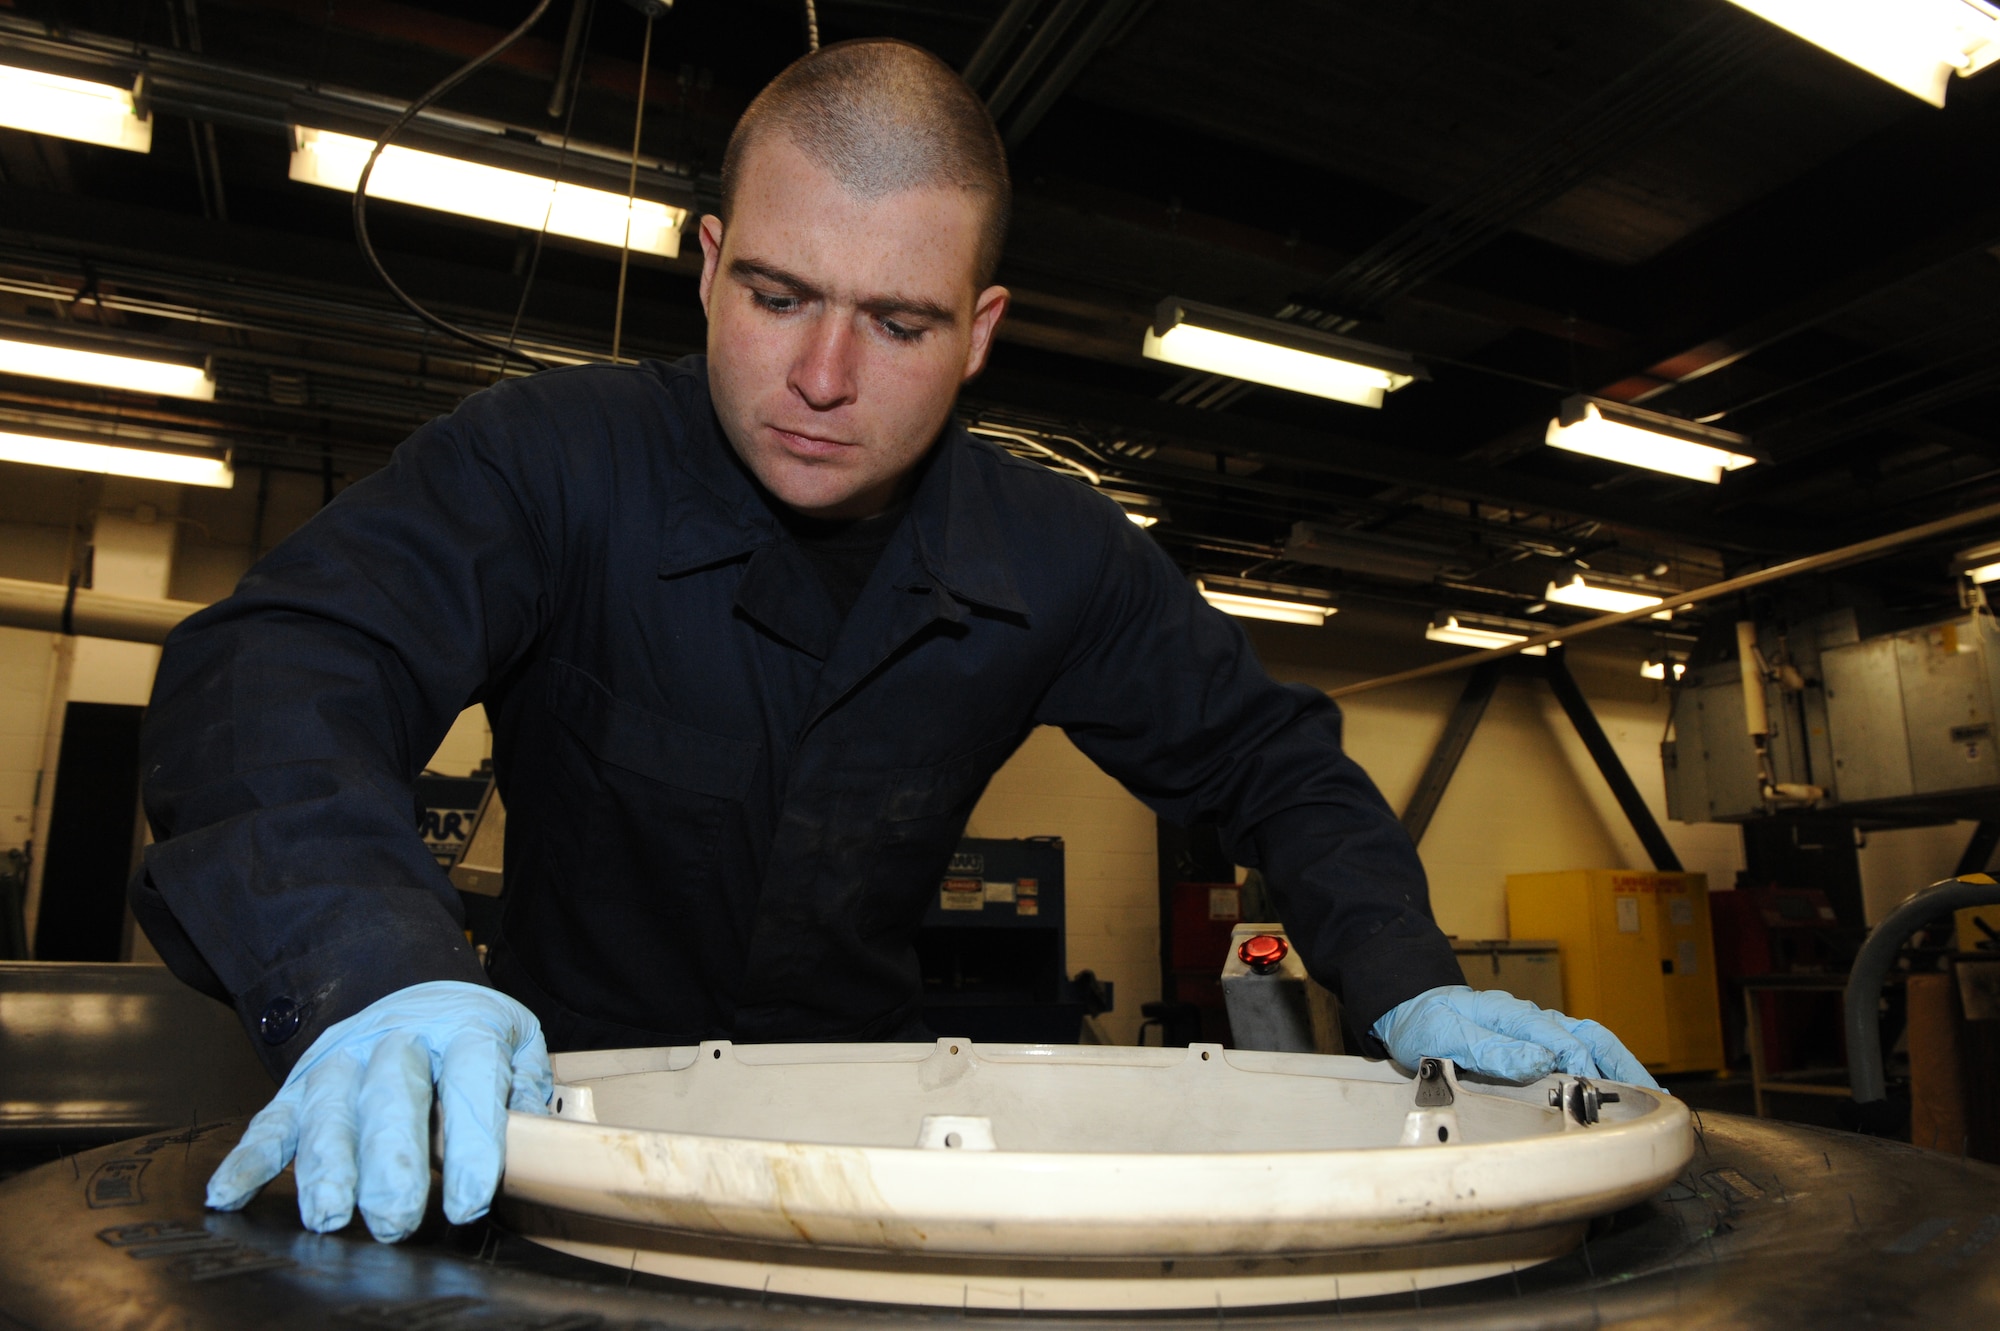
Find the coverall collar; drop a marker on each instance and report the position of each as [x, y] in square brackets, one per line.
[951, 518]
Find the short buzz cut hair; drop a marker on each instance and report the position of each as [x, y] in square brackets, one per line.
[883, 116]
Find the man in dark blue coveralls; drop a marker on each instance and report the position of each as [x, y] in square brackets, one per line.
[753, 631]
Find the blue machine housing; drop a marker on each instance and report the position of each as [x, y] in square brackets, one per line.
[991, 945]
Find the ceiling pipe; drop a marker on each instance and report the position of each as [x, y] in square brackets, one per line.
[53, 608]
[1080, 53]
[1638, 106]
[1856, 553]
[998, 38]
[1015, 81]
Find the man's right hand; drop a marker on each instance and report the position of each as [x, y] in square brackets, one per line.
[355, 1110]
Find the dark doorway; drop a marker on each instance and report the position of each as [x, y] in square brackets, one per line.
[89, 855]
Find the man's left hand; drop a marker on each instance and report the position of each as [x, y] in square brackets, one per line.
[1486, 1031]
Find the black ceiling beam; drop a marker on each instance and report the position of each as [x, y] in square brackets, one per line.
[1110, 14]
[1634, 108]
[1916, 191]
[1245, 436]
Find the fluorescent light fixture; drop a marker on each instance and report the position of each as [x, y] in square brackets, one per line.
[1918, 45]
[154, 464]
[1143, 510]
[1668, 659]
[72, 109]
[1464, 629]
[490, 193]
[37, 360]
[1266, 600]
[1641, 438]
[1270, 351]
[1980, 565]
[1594, 594]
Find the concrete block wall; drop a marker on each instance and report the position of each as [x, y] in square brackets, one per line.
[1110, 864]
[1526, 798]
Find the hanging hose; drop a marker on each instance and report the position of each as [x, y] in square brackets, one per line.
[464, 72]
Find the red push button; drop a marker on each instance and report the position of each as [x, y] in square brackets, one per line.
[1263, 952]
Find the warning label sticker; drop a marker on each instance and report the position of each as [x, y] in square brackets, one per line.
[962, 894]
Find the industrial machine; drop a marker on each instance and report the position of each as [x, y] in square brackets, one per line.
[1273, 1004]
[991, 946]
[1818, 714]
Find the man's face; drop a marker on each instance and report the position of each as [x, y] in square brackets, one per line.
[839, 328]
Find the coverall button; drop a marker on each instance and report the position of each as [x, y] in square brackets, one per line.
[280, 1021]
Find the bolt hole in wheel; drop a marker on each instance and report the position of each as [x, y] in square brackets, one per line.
[1073, 1182]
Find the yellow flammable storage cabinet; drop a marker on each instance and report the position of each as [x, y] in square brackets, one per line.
[1637, 955]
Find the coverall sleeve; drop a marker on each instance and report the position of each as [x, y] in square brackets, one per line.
[288, 721]
[1166, 694]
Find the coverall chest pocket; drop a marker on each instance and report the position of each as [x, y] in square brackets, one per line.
[921, 816]
[663, 791]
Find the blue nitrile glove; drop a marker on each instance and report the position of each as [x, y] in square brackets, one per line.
[1486, 1031]
[356, 1110]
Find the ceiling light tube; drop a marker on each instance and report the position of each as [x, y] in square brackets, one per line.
[1917, 45]
[67, 108]
[489, 193]
[37, 360]
[1266, 600]
[1641, 438]
[1270, 351]
[154, 464]
[1980, 565]
[1143, 510]
[1594, 594]
[1464, 629]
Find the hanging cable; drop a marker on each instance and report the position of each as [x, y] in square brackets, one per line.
[812, 26]
[631, 191]
[416, 108]
[588, 9]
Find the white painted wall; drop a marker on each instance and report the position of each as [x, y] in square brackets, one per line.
[27, 672]
[468, 744]
[132, 555]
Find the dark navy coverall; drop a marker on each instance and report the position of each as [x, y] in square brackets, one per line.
[727, 807]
